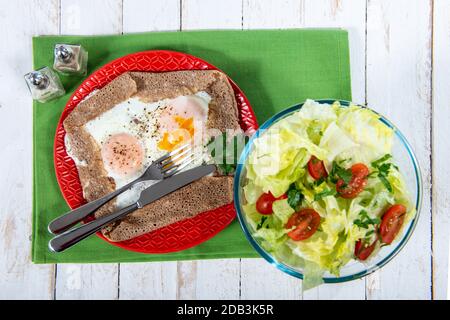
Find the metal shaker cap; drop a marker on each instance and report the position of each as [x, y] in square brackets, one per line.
[38, 79]
[63, 53]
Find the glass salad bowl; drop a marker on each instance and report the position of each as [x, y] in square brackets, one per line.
[403, 156]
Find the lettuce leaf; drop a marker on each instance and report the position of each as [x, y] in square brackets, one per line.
[282, 210]
[336, 141]
[281, 164]
[373, 137]
[252, 192]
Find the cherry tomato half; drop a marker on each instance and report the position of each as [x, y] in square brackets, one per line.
[391, 223]
[356, 184]
[265, 202]
[363, 250]
[306, 222]
[316, 168]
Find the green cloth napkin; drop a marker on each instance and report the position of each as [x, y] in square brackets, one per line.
[274, 68]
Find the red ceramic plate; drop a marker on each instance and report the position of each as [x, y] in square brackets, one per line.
[177, 236]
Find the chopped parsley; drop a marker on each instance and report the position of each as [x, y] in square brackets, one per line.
[384, 158]
[365, 221]
[227, 169]
[364, 202]
[319, 182]
[325, 193]
[226, 159]
[337, 172]
[385, 181]
[295, 197]
[369, 233]
[383, 168]
[341, 162]
[261, 222]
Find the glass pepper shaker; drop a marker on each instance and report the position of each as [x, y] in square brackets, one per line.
[70, 59]
[44, 84]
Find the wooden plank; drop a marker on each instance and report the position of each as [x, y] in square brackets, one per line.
[352, 290]
[441, 152]
[86, 17]
[398, 86]
[198, 279]
[87, 282]
[217, 279]
[19, 278]
[208, 279]
[207, 14]
[148, 280]
[151, 15]
[310, 13]
[156, 280]
[349, 15]
[272, 14]
[261, 281]
[84, 281]
[186, 280]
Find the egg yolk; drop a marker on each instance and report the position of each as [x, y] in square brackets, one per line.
[123, 154]
[182, 134]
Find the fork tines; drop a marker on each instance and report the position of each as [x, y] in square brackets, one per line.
[176, 160]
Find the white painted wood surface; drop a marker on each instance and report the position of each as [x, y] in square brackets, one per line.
[440, 148]
[19, 278]
[397, 67]
[158, 279]
[398, 86]
[84, 281]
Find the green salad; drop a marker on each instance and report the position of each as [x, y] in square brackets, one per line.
[322, 189]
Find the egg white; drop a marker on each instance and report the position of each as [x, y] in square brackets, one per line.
[141, 120]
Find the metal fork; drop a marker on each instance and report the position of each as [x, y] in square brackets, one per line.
[162, 168]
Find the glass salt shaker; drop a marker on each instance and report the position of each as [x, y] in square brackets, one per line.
[70, 59]
[44, 84]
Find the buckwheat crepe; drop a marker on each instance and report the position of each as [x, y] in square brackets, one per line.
[205, 194]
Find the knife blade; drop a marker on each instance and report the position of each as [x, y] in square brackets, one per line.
[148, 195]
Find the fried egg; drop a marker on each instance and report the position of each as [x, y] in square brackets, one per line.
[134, 133]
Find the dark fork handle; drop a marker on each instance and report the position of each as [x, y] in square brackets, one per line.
[71, 218]
[73, 236]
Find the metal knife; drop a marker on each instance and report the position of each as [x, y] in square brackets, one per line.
[152, 193]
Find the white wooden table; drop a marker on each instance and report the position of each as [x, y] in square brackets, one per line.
[400, 59]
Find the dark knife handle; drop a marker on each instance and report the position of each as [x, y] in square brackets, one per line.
[73, 236]
[71, 218]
